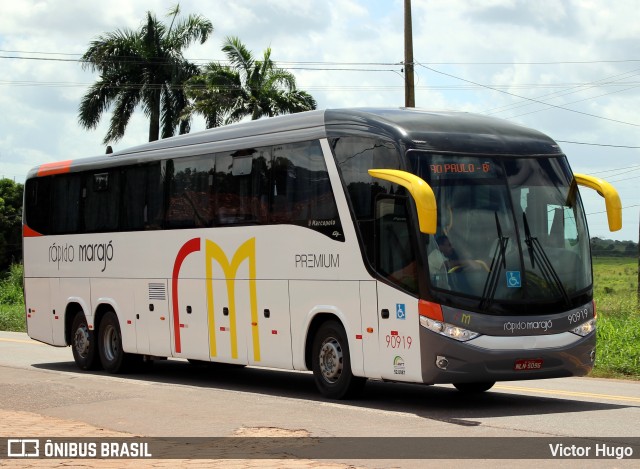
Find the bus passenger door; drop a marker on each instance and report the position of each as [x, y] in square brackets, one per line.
[152, 317]
[39, 314]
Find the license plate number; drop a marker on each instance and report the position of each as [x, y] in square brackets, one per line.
[528, 364]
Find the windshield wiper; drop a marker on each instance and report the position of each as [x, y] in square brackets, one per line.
[537, 253]
[497, 263]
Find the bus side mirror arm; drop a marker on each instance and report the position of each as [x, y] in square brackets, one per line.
[611, 198]
[419, 190]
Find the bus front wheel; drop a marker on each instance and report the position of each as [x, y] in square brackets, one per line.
[83, 344]
[331, 363]
[112, 356]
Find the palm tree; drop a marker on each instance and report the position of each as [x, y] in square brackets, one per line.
[142, 68]
[249, 87]
[214, 94]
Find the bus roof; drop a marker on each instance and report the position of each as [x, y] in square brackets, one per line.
[442, 131]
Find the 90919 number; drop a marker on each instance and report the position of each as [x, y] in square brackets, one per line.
[578, 316]
[399, 341]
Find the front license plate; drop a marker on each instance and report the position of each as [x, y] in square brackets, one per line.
[528, 364]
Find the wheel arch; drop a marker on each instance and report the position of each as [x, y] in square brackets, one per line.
[73, 308]
[316, 322]
[102, 309]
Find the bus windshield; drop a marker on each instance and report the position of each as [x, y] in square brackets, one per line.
[509, 229]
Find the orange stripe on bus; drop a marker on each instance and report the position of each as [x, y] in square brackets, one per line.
[29, 233]
[59, 167]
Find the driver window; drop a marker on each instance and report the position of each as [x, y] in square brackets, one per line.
[395, 257]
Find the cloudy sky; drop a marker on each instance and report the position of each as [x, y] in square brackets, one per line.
[568, 68]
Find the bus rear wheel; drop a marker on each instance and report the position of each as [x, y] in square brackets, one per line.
[474, 388]
[83, 344]
[112, 356]
[331, 363]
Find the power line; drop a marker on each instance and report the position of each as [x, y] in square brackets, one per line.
[624, 179]
[530, 99]
[635, 167]
[557, 62]
[573, 102]
[596, 144]
[574, 88]
[352, 88]
[604, 211]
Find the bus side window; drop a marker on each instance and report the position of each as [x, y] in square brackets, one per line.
[395, 257]
[66, 193]
[141, 198]
[101, 201]
[301, 191]
[189, 192]
[240, 186]
[37, 204]
[355, 156]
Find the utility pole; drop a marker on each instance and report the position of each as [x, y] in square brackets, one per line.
[409, 91]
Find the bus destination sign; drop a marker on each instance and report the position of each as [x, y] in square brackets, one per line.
[469, 168]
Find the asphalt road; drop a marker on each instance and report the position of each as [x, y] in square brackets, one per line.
[176, 399]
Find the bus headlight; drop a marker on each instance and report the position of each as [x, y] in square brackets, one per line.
[585, 328]
[448, 330]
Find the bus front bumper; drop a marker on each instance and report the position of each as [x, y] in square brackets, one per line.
[491, 358]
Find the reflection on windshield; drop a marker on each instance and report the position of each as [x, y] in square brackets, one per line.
[508, 229]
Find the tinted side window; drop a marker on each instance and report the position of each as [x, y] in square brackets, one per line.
[142, 198]
[65, 203]
[102, 201]
[189, 189]
[240, 185]
[355, 156]
[37, 204]
[301, 191]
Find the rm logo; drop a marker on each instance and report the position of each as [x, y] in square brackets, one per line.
[213, 252]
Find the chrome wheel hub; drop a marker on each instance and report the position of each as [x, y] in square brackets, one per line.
[331, 360]
[81, 341]
[111, 343]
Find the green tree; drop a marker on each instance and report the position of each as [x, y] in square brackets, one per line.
[10, 223]
[214, 94]
[248, 88]
[143, 68]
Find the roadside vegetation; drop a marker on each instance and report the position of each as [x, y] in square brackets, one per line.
[616, 284]
[618, 353]
[11, 300]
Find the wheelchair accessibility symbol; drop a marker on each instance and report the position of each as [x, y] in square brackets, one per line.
[400, 311]
[513, 279]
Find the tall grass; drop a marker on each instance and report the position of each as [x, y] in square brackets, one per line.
[12, 316]
[618, 349]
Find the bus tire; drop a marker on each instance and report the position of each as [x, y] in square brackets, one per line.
[83, 344]
[331, 363]
[112, 356]
[474, 388]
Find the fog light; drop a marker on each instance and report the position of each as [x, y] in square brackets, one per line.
[442, 362]
[592, 355]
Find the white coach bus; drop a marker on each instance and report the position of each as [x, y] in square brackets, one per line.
[390, 244]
